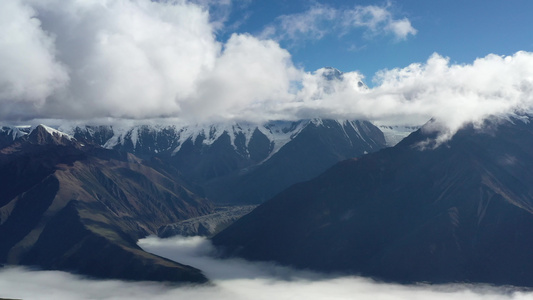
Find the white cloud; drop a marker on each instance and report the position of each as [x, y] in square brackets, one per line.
[219, 11]
[144, 60]
[458, 94]
[401, 28]
[312, 24]
[249, 73]
[453, 94]
[232, 279]
[136, 59]
[378, 20]
[128, 58]
[29, 71]
[124, 58]
[321, 20]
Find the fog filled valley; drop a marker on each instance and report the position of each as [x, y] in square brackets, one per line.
[231, 279]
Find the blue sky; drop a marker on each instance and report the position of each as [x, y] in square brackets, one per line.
[460, 30]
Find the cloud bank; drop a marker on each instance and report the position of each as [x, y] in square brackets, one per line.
[232, 279]
[453, 94]
[145, 60]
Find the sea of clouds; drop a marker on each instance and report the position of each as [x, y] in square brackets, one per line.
[234, 279]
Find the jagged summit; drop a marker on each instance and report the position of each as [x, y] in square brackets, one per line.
[229, 162]
[8, 134]
[170, 139]
[37, 135]
[218, 157]
[43, 134]
[330, 73]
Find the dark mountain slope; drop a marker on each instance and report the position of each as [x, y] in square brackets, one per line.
[317, 147]
[71, 207]
[461, 212]
[232, 162]
[8, 134]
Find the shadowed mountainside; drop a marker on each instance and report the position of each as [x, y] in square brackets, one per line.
[67, 206]
[242, 163]
[462, 212]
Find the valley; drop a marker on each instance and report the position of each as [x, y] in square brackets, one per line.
[418, 211]
[78, 199]
[237, 149]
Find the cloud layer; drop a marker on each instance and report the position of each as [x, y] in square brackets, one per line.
[233, 279]
[452, 94]
[139, 59]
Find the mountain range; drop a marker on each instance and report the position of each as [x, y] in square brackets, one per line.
[70, 206]
[230, 162]
[461, 211]
[78, 198]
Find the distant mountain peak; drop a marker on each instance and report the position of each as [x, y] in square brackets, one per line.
[43, 134]
[460, 213]
[330, 73]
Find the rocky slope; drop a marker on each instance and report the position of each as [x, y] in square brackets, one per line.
[206, 225]
[318, 146]
[69, 206]
[462, 212]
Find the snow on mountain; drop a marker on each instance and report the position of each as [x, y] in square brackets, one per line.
[333, 79]
[15, 132]
[278, 133]
[330, 73]
[211, 133]
[119, 137]
[281, 132]
[9, 134]
[231, 161]
[55, 132]
[171, 138]
[394, 134]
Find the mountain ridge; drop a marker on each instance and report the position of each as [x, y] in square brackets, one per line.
[80, 208]
[457, 213]
[223, 159]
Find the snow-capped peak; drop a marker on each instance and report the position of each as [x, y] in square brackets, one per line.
[330, 73]
[55, 132]
[278, 133]
[16, 132]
